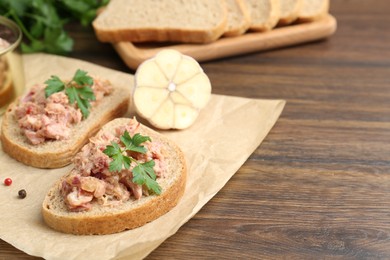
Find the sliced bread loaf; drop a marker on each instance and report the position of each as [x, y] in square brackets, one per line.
[238, 18]
[313, 9]
[264, 14]
[289, 11]
[129, 214]
[58, 153]
[197, 21]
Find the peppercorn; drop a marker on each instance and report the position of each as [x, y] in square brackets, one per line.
[7, 181]
[22, 194]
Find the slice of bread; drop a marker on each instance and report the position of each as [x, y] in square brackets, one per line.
[239, 18]
[289, 11]
[264, 14]
[195, 21]
[55, 154]
[132, 213]
[312, 10]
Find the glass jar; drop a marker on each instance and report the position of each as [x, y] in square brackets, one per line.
[11, 65]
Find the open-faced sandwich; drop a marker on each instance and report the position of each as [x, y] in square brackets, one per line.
[125, 177]
[47, 126]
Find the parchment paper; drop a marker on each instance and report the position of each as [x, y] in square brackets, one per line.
[226, 133]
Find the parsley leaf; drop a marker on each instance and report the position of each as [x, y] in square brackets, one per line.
[54, 84]
[78, 90]
[112, 149]
[115, 152]
[134, 144]
[81, 78]
[43, 22]
[143, 173]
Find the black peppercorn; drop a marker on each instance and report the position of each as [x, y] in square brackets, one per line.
[22, 194]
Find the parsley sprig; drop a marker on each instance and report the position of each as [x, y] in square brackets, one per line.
[43, 22]
[78, 90]
[143, 173]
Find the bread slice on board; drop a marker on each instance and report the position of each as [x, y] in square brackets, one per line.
[55, 154]
[289, 11]
[264, 14]
[312, 10]
[239, 18]
[132, 213]
[196, 21]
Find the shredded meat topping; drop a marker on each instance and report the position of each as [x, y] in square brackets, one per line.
[91, 180]
[52, 118]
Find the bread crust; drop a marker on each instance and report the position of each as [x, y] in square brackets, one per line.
[17, 146]
[160, 35]
[292, 15]
[245, 23]
[147, 209]
[151, 34]
[320, 13]
[272, 18]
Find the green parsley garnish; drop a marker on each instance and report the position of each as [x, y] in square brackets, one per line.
[44, 22]
[143, 173]
[78, 89]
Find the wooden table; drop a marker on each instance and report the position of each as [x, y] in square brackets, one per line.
[319, 185]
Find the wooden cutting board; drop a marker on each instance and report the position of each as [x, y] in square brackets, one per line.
[134, 54]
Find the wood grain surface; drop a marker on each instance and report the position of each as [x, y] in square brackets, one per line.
[319, 185]
[134, 54]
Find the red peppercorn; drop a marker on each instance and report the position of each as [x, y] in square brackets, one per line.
[8, 181]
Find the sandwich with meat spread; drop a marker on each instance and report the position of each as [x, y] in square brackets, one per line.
[125, 177]
[49, 124]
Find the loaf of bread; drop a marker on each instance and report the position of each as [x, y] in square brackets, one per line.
[239, 18]
[289, 11]
[264, 14]
[58, 153]
[195, 21]
[312, 10]
[132, 213]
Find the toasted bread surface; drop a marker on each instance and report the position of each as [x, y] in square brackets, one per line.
[132, 213]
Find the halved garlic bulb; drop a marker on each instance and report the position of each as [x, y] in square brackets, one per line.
[170, 89]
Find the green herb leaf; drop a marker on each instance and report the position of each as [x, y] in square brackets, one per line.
[143, 173]
[42, 21]
[111, 150]
[134, 144]
[86, 93]
[54, 85]
[139, 139]
[72, 94]
[114, 151]
[116, 164]
[126, 162]
[82, 103]
[149, 169]
[82, 79]
[78, 90]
